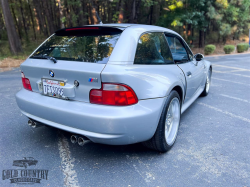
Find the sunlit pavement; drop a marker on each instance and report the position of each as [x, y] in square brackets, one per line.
[212, 149]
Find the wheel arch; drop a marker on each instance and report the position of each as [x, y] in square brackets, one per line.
[179, 90]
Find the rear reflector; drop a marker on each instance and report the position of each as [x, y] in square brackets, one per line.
[113, 94]
[26, 82]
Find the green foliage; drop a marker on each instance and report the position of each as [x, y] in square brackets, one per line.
[228, 49]
[28, 48]
[209, 49]
[242, 47]
[223, 17]
[219, 19]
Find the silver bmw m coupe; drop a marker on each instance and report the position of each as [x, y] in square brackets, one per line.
[113, 84]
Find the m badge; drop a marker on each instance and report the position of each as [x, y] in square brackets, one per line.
[93, 79]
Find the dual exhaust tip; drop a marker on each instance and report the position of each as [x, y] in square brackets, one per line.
[74, 138]
[80, 140]
[34, 124]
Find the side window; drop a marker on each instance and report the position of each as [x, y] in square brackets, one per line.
[152, 48]
[178, 50]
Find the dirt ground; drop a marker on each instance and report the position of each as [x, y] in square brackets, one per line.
[10, 63]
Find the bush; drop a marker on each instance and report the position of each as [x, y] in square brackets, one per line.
[229, 49]
[209, 49]
[242, 47]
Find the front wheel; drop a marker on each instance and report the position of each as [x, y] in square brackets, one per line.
[166, 132]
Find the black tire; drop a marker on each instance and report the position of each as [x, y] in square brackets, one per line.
[206, 91]
[158, 141]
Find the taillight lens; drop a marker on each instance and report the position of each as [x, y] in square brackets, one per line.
[113, 94]
[26, 82]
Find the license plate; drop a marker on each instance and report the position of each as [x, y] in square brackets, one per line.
[53, 87]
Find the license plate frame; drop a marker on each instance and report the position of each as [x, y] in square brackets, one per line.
[53, 91]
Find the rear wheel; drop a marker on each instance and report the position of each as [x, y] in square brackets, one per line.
[166, 132]
[207, 84]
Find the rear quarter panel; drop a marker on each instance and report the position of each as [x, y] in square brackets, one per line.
[148, 81]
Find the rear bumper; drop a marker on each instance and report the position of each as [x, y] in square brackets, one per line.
[101, 124]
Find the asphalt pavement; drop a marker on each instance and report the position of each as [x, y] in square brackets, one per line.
[212, 148]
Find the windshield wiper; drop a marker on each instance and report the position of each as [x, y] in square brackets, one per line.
[45, 57]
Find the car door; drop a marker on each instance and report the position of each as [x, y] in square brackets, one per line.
[183, 57]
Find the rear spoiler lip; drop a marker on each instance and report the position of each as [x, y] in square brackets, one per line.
[94, 26]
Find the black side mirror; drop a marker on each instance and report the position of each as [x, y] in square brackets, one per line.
[198, 57]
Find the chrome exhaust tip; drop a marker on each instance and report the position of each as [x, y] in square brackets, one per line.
[82, 141]
[34, 124]
[73, 139]
[30, 122]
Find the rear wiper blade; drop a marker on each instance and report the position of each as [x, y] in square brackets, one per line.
[45, 57]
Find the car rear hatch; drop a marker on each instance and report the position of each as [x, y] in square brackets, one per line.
[69, 64]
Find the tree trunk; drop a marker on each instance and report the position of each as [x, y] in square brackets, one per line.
[104, 16]
[40, 17]
[15, 44]
[18, 29]
[189, 27]
[57, 14]
[201, 39]
[110, 12]
[80, 13]
[121, 14]
[192, 41]
[185, 31]
[61, 14]
[132, 14]
[24, 22]
[91, 19]
[46, 26]
[85, 12]
[94, 14]
[1, 24]
[32, 19]
[151, 14]
[50, 7]
[137, 11]
[49, 17]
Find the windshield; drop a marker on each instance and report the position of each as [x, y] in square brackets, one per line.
[95, 49]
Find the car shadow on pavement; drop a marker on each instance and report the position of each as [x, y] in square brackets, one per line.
[102, 149]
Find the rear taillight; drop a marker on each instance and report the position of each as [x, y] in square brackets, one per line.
[113, 94]
[26, 82]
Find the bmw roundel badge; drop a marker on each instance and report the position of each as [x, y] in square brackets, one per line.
[51, 73]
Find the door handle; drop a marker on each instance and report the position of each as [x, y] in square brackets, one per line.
[189, 73]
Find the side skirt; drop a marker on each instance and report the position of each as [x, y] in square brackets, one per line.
[190, 101]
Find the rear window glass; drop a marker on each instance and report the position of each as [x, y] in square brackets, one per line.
[79, 46]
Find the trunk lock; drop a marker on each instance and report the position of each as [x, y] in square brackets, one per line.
[76, 83]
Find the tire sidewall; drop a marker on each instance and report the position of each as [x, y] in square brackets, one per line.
[161, 125]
